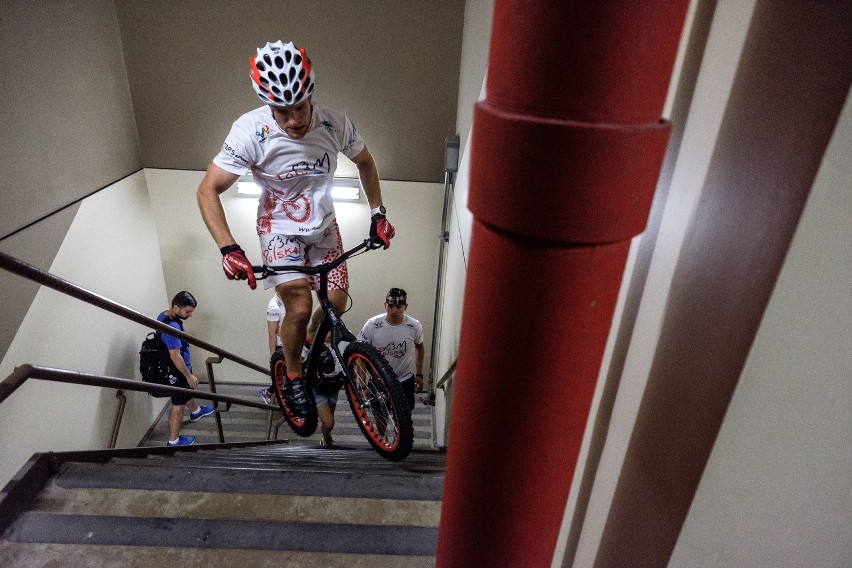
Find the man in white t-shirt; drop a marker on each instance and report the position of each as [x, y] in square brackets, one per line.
[400, 339]
[290, 145]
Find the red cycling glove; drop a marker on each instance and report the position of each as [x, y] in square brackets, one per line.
[381, 231]
[236, 265]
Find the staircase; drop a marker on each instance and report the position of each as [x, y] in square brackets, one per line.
[245, 424]
[282, 504]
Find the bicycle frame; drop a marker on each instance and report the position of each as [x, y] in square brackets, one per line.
[373, 391]
[331, 322]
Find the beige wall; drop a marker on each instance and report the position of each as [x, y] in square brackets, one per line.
[759, 501]
[474, 63]
[67, 123]
[110, 249]
[393, 66]
[232, 316]
[777, 489]
[704, 119]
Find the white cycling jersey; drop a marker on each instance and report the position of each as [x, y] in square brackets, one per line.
[295, 175]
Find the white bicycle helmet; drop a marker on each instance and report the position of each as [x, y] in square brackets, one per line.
[281, 74]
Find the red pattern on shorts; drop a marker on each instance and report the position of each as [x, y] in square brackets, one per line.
[338, 279]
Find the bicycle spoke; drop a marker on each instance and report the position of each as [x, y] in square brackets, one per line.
[375, 403]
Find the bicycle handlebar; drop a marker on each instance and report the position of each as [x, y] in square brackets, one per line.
[266, 271]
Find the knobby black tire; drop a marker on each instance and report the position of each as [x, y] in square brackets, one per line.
[303, 427]
[378, 402]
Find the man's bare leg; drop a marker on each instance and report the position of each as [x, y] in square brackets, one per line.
[326, 417]
[175, 420]
[296, 296]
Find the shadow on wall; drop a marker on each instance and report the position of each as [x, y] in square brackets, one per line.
[123, 362]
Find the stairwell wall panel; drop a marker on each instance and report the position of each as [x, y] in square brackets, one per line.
[18, 293]
[110, 249]
[66, 120]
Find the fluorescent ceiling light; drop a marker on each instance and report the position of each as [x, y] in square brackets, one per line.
[345, 192]
[247, 187]
[344, 189]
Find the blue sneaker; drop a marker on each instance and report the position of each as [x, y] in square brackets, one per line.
[201, 413]
[183, 441]
[266, 396]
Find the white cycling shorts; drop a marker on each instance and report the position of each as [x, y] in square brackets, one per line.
[313, 250]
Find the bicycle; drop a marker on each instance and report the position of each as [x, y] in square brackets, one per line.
[372, 389]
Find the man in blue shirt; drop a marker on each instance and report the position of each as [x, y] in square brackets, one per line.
[183, 305]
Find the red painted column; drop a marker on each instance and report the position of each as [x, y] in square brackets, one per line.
[566, 151]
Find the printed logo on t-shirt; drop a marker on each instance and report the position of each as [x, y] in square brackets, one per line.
[280, 249]
[233, 153]
[303, 168]
[394, 350]
[263, 133]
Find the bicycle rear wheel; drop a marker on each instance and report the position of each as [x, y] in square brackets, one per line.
[303, 427]
[378, 402]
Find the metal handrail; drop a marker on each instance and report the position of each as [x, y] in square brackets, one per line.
[31, 272]
[24, 372]
[447, 375]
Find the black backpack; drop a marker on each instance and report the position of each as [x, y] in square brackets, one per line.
[330, 380]
[155, 364]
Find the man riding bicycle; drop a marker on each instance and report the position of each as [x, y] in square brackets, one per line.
[290, 145]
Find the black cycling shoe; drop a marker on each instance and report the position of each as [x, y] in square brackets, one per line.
[297, 396]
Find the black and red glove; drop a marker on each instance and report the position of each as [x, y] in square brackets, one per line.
[236, 265]
[381, 231]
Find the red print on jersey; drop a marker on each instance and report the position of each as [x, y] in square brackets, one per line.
[264, 222]
[297, 210]
[293, 206]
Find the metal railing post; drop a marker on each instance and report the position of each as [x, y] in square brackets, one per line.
[209, 363]
[119, 414]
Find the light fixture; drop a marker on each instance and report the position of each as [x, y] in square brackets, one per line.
[344, 189]
[247, 187]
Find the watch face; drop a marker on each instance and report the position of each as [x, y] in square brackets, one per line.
[382, 209]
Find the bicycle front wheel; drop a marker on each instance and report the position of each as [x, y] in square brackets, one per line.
[378, 402]
[303, 427]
